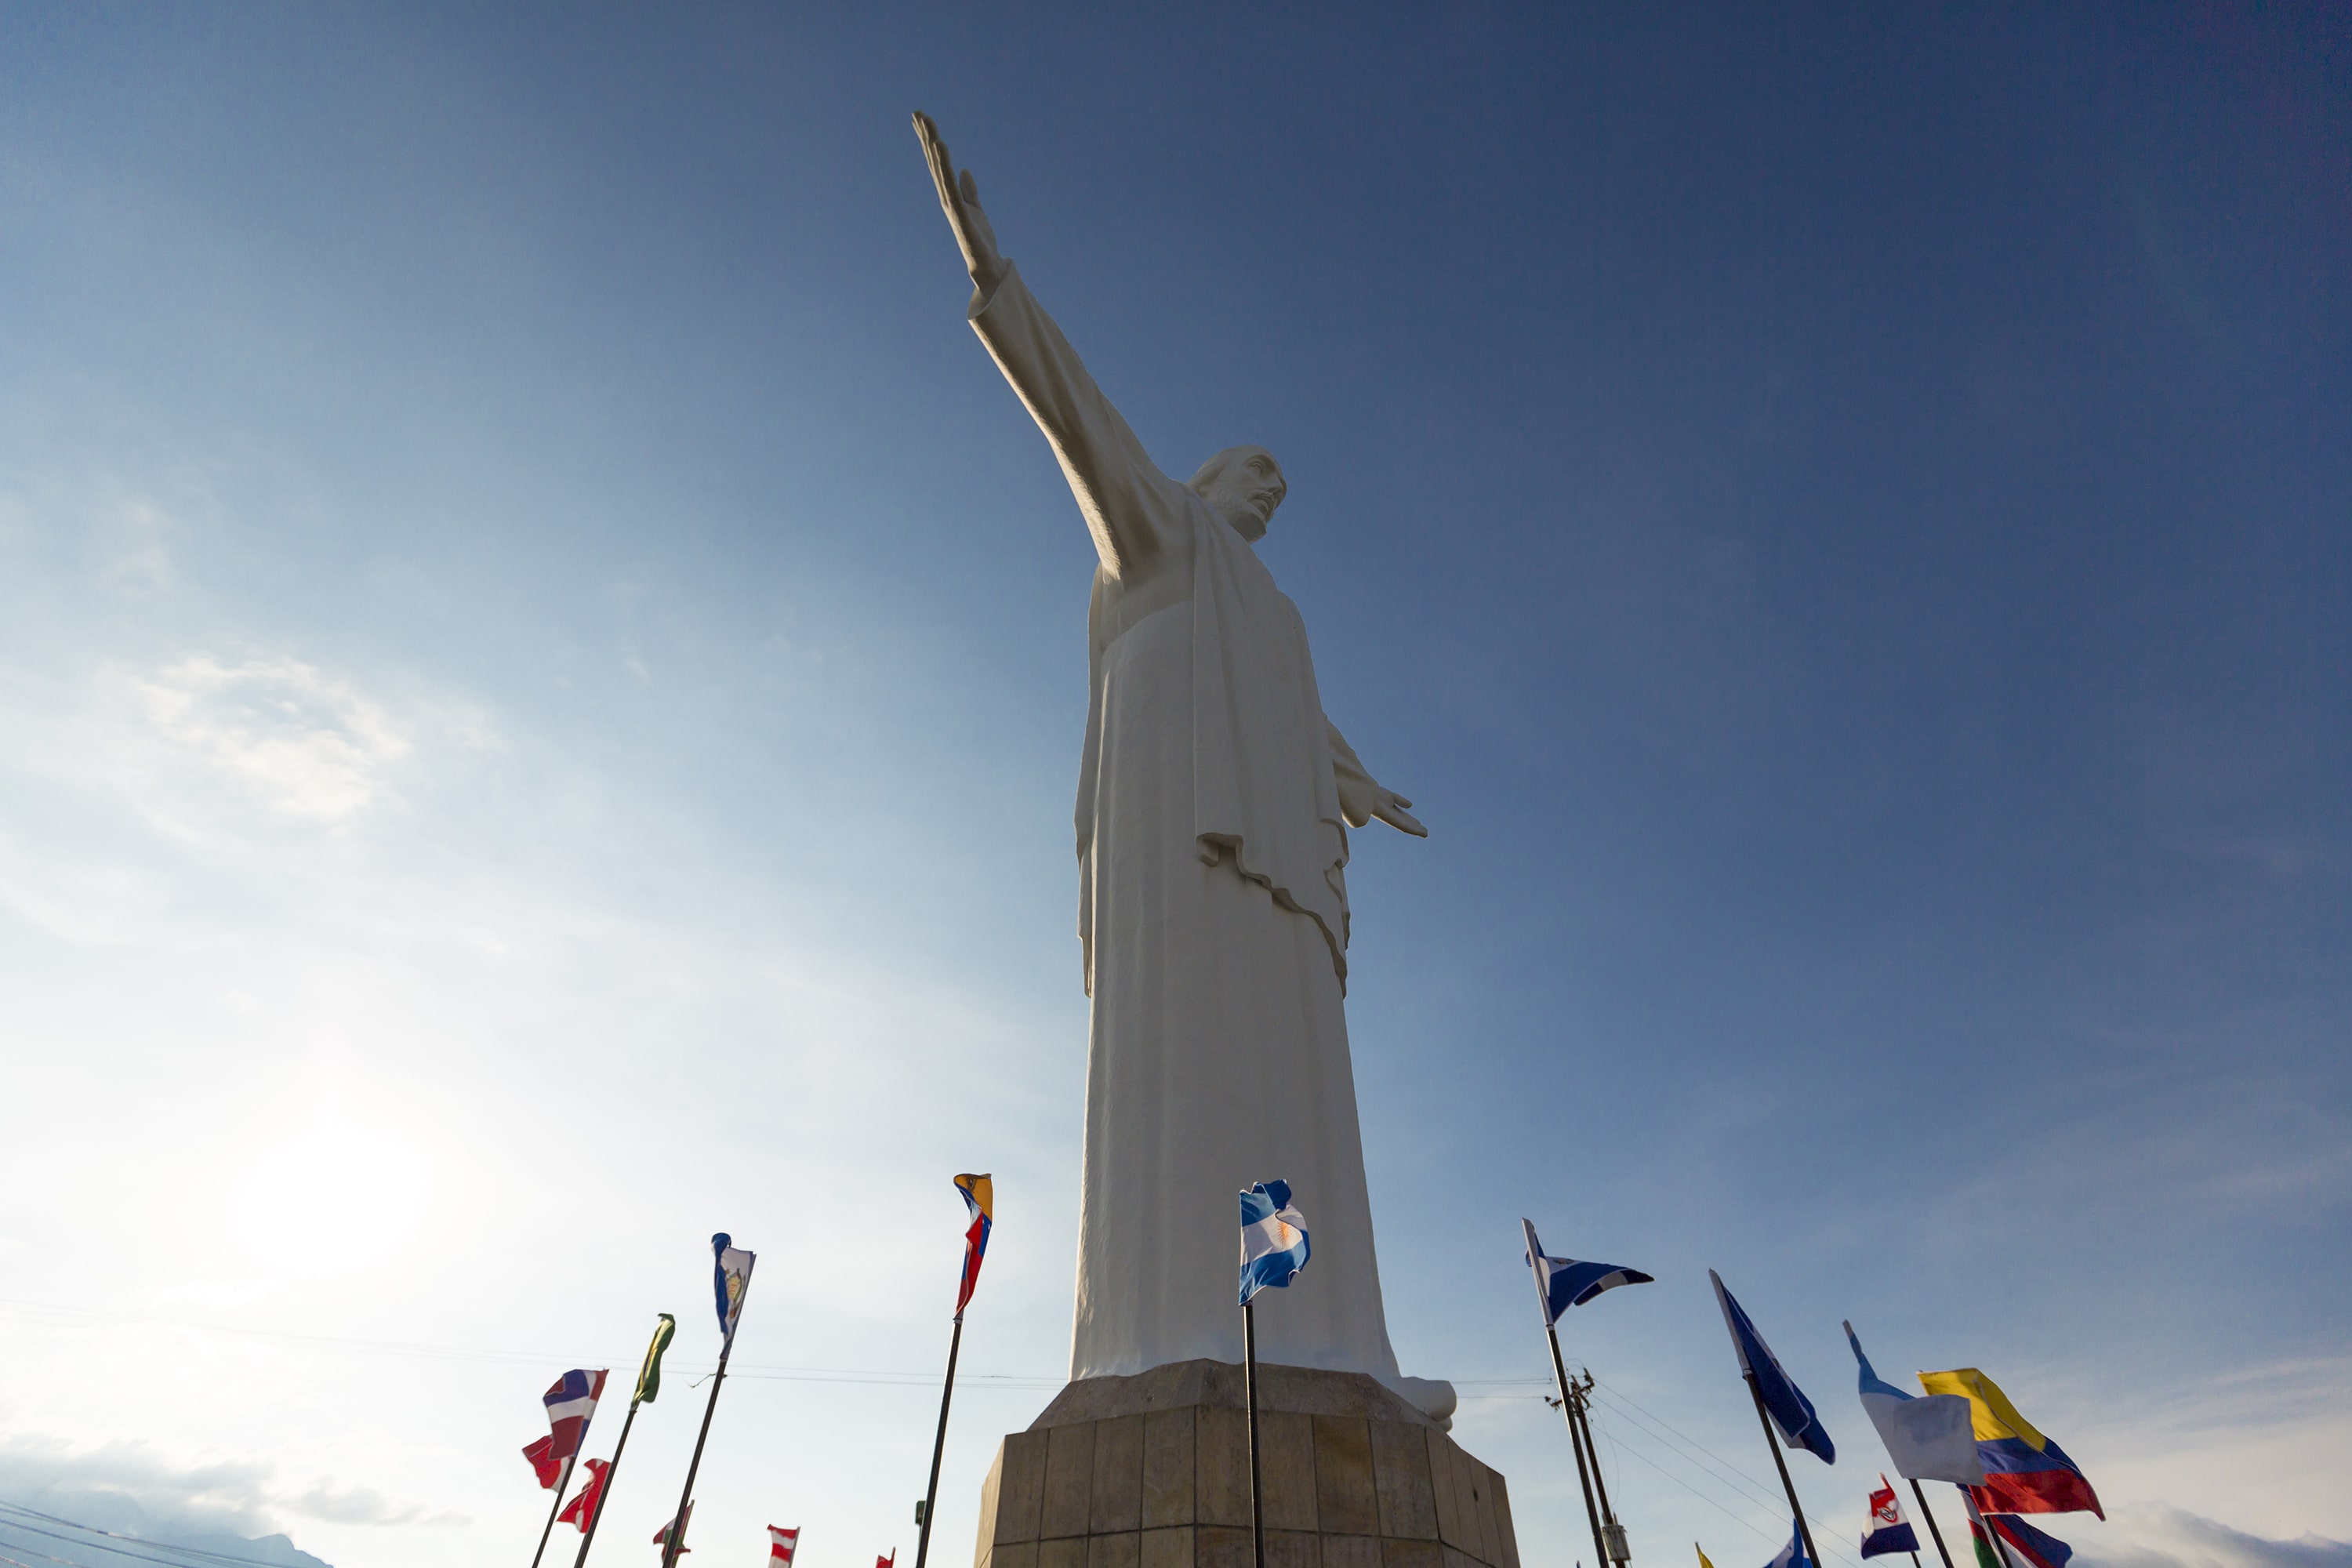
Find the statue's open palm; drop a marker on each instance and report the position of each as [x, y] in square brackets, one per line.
[959, 199]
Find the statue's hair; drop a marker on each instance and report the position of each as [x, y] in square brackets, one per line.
[1216, 464]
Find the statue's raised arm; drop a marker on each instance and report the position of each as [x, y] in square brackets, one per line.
[1133, 510]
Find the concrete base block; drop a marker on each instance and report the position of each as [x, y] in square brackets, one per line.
[1152, 1471]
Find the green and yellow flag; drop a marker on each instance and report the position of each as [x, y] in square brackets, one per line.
[649, 1375]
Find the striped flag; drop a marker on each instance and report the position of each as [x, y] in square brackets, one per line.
[2025, 1470]
[571, 1401]
[1274, 1238]
[783, 1544]
[661, 1536]
[978, 1197]
[1928, 1439]
[1887, 1530]
[2036, 1548]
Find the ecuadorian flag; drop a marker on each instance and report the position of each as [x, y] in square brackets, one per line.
[2025, 1470]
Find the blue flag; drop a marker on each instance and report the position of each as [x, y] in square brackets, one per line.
[1790, 1411]
[1794, 1555]
[1563, 1283]
[1274, 1238]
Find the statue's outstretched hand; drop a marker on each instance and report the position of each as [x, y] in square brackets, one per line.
[1389, 807]
[959, 199]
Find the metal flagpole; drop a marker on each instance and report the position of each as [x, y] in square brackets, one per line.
[1930, 1515]
[1772, 1438]
[1249, 1385]
[1613, 1533]
[588, 1536]
[1568, 1409]
[939, 1445]
[557, 1506]
[686, 1499]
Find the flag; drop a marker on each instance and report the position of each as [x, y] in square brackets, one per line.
[581, 1510]
[661, 1536]
[2025, 1472]
[1887, 1530]
[1703, 1562]
[1794, 1555]
[1929, 1439]
[980, 1198]
[783, 1544]
[888, 1561]
[1791, 1410]
[1274, 1238]
[649, 1374]
[2023, 1541]
[571, 1401]
[540, 1452]
[1563, 1283]
[730, 1276]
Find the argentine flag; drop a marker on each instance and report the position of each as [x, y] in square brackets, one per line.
[1274, 1238]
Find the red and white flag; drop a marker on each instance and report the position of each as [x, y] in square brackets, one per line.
[543, 1460]
[580, 1510]
[661, 1536]
[781, 1544]
[889, 1562]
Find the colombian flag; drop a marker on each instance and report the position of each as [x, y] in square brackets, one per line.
[980, 1198]
[2025, 1470]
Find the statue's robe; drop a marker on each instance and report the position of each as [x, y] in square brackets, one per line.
[1213, 914]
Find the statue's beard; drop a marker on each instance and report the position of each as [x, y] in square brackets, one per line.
[1245, 521]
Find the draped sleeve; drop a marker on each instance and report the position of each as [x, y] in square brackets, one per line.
[1132, 510]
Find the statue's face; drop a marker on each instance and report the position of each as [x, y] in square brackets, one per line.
[1245, 484]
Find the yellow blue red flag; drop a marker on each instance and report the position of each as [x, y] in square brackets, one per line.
[980, 1198]
[2025, 1470]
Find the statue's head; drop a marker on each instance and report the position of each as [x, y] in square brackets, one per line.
[1245, 484]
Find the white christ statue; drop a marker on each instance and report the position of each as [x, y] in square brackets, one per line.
[1214, 799]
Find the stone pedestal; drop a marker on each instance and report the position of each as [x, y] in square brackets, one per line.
[1152, 1471]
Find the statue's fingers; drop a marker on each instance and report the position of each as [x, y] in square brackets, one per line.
[969, 186]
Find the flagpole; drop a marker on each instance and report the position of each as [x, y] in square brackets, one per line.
[1772, 1439]
[1249, 1386]
[1609, 1526]
[686, 1499]
[1568, 1409]
[939, 1445]
[556, 1507]
[588, 1536]
[1930, 1515]
[1991, 1530]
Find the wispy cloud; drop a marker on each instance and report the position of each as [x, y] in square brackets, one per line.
[2151, 1535]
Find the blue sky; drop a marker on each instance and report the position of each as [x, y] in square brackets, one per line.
[542, 674]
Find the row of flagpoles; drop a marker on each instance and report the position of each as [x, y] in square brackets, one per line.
[1962, 1430]
[571, 1403]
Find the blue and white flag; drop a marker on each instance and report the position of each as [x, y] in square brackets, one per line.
[1800, 1425]
[1274, 1238]
[1563, 1283]
[1931, 1439]
[730, 1278]
[1794, 1555]
[1887, 1530]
